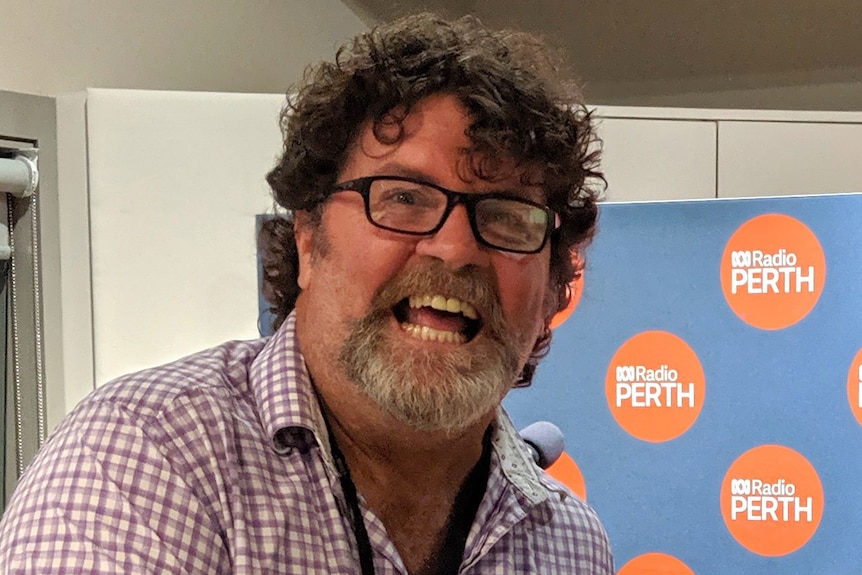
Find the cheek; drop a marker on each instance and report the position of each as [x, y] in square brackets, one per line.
[523, 291]
[357, 261]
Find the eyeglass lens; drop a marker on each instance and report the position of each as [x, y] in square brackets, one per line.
[411, 207]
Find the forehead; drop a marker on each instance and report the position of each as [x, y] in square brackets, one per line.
[432, 142]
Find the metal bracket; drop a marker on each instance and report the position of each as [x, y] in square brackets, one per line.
[19, 177]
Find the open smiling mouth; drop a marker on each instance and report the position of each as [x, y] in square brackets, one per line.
[438, 318]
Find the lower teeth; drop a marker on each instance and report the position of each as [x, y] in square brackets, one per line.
[426, 333]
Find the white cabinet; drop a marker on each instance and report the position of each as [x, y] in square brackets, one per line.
[658, 159]
[175, 183]
[789, 158]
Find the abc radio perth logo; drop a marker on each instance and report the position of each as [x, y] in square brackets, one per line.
[772, 500]
[655, 386]
[772, 271]
[759, 500]
[645, 387]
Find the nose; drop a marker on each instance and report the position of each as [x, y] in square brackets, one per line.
[454, 243]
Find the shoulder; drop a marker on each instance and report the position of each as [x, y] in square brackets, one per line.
[160, 413]
[184, 415]
[171, 419]
[218, 373]
[574, 529]
[571, 510]
[131, 454]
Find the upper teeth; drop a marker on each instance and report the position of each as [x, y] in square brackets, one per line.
[451, 304]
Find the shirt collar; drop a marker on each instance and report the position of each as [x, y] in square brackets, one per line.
[515, 461]
[288, 405]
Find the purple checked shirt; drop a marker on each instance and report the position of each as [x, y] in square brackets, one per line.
[220, 463]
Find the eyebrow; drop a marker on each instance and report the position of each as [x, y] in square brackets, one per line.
[398, 170]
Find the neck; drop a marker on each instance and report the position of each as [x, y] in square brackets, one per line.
[403, 474]
[403, 477]
[384, 453]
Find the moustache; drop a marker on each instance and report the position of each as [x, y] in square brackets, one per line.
[469, 283]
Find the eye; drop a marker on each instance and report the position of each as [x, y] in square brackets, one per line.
[501, 215]
[406, 195]
[510, 223]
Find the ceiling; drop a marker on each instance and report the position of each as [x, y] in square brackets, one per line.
[650, 46]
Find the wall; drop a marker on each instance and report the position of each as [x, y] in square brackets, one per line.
[834, 89]
[50, 47]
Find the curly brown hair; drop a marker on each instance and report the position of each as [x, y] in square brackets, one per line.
[520, 106]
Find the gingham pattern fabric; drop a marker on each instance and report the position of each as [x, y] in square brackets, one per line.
[220, 463]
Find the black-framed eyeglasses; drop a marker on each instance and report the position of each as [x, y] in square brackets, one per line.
[416, 207]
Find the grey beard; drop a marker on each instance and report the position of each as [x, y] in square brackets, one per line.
[433, 390]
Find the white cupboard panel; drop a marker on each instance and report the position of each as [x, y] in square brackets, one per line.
[648, 160]
[176, 179]
[784, 158]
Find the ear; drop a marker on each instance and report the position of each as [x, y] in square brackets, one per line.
[303, 231]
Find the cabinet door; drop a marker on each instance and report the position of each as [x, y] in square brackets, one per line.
[788, 158]
[176, 180]
[651, 159]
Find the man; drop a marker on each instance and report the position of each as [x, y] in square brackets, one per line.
[436, 178]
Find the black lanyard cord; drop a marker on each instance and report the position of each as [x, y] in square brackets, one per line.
[366, 553]
[466, 506]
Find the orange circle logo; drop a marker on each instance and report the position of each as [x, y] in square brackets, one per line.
[772, 271]
[655, 386]
[566, 471]
[575, 289]
[771, 500]
[854, 387]
[655, 564]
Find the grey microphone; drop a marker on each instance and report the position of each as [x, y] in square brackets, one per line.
[545, 442]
